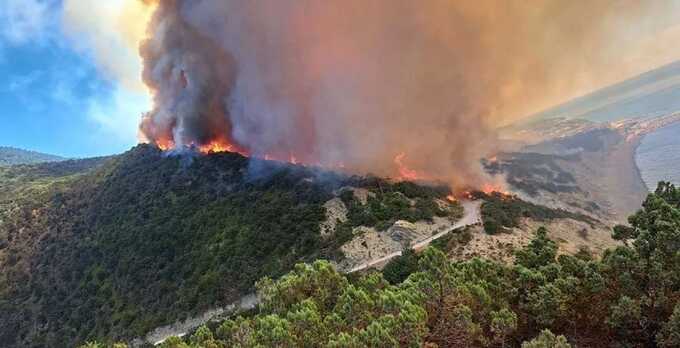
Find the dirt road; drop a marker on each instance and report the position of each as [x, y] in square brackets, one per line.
[471, 216]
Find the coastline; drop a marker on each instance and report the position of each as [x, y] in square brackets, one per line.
[636, 156]
[620, 179]
[638, 172]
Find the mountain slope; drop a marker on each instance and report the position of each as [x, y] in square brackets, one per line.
[11, 156]
[143, 239]
[628, 298]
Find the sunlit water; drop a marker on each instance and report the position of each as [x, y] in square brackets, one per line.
[658, 156]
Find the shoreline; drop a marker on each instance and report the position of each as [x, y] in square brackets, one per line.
[635, 146]
[638, 142]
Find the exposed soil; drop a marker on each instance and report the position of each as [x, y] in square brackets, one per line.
[571, 236]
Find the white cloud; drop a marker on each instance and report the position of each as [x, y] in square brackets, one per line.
[110, 32]
[23, 21]
[119, 115]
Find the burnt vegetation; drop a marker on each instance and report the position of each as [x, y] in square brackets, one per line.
[533, 172]
[501, 212]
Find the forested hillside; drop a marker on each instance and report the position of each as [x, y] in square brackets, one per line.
[12, 156]
[112, 248]
[629, 298]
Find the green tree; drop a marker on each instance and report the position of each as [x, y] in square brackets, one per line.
[204, 338]
[625, 317]
[547, 339]
[399, 268]
[307, 325]
[273, 331]
[624, 233]
[319, 281]
[91, 345]
[236, 333]
[174, 342]
[503, 323]
[546, 304]
[669, 336]
[540, 252]
[436, 280]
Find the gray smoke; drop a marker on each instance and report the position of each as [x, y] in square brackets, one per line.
[354, 83]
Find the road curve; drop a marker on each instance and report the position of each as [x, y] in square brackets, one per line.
[471, 216]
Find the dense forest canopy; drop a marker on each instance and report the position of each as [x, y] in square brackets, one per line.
[115, 247]
[629, 298]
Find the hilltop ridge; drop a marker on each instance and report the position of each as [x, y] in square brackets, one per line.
[76, 242]
[13, 156]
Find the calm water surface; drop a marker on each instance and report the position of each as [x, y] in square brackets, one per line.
[658, 156]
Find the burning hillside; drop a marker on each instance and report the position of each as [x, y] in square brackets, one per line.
[400, 88]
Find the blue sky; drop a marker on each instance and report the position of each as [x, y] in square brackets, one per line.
[70, 72]
[53, 96]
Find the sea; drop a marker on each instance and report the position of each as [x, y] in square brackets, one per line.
[658, 156]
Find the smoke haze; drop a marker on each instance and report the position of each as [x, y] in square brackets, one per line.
[355, 83]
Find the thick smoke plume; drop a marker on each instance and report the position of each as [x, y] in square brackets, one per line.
[358, 83]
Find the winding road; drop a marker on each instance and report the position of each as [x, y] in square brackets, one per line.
[471, 216]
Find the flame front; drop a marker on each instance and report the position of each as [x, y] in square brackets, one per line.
[406, 173]
[216, 146]
[344, 95]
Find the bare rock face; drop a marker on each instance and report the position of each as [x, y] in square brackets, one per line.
[571, 236]
[362, 194]
[368, 244]
[336, 211]
[402, 232]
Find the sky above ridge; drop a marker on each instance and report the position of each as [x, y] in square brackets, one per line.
[53, 97]
[71, 70]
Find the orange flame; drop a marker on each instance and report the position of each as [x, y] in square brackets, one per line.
[165, 144]
[467, 195]
[406, 173]
[216, 146]
[490, 188]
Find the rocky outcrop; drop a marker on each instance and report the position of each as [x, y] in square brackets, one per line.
[336, 212]
[370, 244]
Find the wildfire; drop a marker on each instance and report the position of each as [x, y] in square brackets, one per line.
[406, 173]
[165, 144]
[486, 189]
[489, 188]
[216, 146]
[467, 195]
